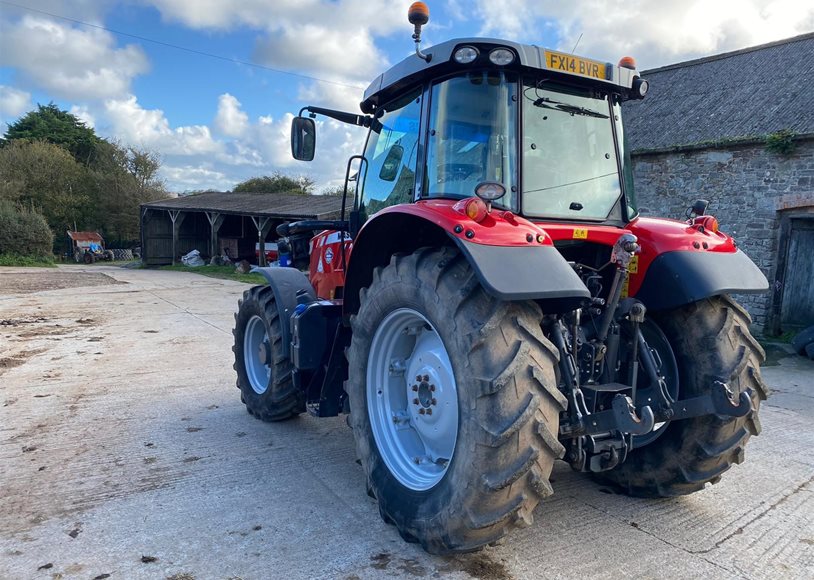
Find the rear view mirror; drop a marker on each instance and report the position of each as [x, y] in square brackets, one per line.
[303, 138]
[390, 167]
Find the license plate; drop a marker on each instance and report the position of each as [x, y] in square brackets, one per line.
[575, 65]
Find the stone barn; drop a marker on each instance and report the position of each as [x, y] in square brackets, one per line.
[737, 129]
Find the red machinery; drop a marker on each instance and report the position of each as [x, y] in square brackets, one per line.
[491, 301]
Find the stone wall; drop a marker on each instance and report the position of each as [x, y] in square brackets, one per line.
[746, 185]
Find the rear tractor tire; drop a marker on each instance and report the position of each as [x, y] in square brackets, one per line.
[263, 371]
[711, 342]
[454, 403]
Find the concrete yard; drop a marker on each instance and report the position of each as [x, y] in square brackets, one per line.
[125, 452]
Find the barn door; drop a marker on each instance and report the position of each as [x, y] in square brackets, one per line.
[798, 288]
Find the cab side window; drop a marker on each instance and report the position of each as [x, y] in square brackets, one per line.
[391, 151]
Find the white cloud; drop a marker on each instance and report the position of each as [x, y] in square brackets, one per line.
[86, 10]
[82, 113]
[13, 103]
[331, 96]
[72, 63]
[319, 37]
[150, 128]
[195, 159]
[320, 50]
[655, 31]
[202, 176]
[506, 18]
[380, 16]
[230, 119]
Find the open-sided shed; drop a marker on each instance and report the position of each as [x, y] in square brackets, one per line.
[212, 221]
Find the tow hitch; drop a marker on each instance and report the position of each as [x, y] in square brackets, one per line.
[720, 401]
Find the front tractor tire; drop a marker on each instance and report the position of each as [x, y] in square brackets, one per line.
[263, 371]
[711, 342]
[454, 403]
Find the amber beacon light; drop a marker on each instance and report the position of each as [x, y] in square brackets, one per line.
[418, 14]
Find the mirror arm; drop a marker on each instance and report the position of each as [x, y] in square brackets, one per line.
[350, 118]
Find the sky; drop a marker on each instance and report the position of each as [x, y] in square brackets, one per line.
[212, 85]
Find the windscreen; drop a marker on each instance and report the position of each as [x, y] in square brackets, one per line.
[472, 130]
[570, 168]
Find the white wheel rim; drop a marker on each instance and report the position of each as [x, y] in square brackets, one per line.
[256, 353]
[412, 399]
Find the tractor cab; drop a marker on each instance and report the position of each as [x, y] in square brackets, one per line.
[528, 130]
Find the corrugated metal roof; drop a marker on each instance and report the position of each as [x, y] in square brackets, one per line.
[744, 94]
[276, 205]
[85, 236]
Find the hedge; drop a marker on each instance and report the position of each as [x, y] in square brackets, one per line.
[24, 232]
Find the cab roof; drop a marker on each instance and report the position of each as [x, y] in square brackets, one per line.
[414, 70]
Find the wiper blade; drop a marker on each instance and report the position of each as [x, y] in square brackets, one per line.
[546, 103]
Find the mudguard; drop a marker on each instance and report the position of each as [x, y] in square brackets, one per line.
[523, 273]
[512, 258]
[286, 284]
[677, 278]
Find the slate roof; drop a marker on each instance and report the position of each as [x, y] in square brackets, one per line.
[741, 95]
[275, 205]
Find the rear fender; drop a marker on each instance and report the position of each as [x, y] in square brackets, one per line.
[512, 258]
[677, 278]
[680, 264]
[286, 284]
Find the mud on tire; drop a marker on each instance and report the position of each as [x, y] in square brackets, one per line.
[270, 397]
[508, 404]
[711, 341]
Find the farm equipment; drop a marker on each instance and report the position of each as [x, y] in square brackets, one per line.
[490, 300]
[88, 247]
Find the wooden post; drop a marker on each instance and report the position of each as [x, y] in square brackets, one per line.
[143, 234]
[215, 222]
[263, 226]
[176, 226]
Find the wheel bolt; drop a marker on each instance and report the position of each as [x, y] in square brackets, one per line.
[417, 460]
[421, 411]
[429, 411]
[415, 401]
[426, 378]
[432, 388]
[434, 402]
[418, 378]
[415, 387]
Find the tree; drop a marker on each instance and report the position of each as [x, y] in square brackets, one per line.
[337, 191]
[45, 177]
[125, 177]
[50, 161]
[23, 232]
[50, 123]
[276, 183]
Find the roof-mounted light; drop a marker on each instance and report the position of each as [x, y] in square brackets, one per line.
[419, 14]
[501, 56]
[640, 87]
[465, 54]
[627, 62]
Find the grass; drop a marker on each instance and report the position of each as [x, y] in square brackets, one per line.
[26, 261]
[223, 272]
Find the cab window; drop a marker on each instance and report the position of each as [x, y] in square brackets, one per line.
[472, 135]
[391, 153]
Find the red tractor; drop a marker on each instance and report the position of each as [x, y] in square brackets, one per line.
[490, 300]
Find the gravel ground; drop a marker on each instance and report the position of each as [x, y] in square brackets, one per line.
[125, 453]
